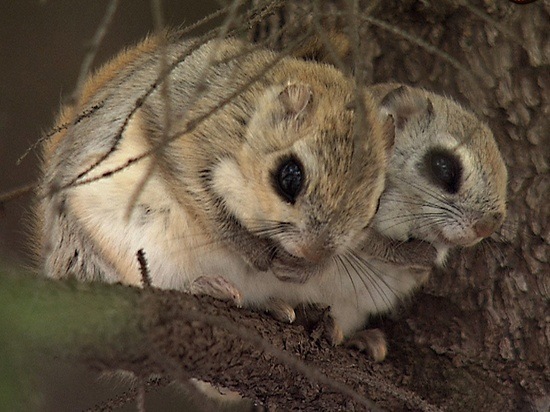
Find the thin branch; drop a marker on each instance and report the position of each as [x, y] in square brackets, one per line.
[92, 50]
[144, 269]
[359, 74]
[90, 111]
[158, 19]
[16, 193]
[321, 32]
[165, 89]
[419, 42]
[139, 101]
[140, 396]
[83, 115]
[191, 125]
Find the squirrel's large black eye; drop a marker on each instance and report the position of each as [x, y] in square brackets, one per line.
[289, 178]
[445, 169]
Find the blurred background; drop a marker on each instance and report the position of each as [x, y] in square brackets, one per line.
[42, 45]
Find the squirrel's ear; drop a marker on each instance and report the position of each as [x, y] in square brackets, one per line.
[295, 99]
[404, 103]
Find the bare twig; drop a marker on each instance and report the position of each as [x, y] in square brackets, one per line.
[86, 113]
[191, 125]
[158, 19]
[140, 396]
[359, 74]
[165, 89]
[139, 102]
[419, 42]
[321, 32]
[90, 111]
[92, 50]
[144, 269]
[16, 193]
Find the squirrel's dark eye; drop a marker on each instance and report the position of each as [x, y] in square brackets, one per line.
[445, 169]
[289, 178]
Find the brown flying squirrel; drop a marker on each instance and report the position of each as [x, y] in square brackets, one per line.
[445, 186]
[276, 183]
[445, 161]
[190, 218]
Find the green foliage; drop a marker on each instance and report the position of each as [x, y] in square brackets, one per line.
[41, 317]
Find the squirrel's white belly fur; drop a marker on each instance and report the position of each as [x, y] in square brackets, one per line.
[173, 243]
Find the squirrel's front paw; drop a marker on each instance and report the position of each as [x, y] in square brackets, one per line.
[217, 287]
[332, 331]
[318, 320]
[372, 341]
[280, 310]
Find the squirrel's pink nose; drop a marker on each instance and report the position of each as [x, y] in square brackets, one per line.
[485, 226]
[313, 254]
